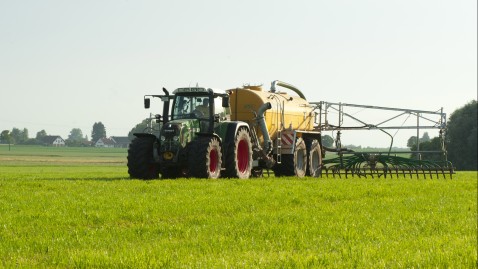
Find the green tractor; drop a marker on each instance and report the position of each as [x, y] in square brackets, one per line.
[196, 140]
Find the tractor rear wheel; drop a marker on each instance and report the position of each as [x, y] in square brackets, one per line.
[315, 159]
[239, 156]
[205, 158]
[300, 158]
[141, 162]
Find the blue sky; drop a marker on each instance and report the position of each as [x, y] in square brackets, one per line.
[67, 64]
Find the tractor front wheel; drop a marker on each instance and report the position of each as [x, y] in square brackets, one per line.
[141, 162]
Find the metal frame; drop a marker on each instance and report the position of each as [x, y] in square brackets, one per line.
[435, 119]
[350, 162]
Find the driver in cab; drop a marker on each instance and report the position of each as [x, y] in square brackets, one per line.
[202, 111]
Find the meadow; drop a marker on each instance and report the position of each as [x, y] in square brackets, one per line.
[77, 208]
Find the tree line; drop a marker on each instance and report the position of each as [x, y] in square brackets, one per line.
[75, 138]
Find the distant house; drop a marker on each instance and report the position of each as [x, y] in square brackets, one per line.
[105, 143]
[53, 141]
[120, 141]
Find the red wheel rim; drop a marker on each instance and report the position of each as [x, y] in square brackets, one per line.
[242, 156]
[213, 160]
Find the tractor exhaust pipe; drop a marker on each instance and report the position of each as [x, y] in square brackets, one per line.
[166, 107]
[286, 85]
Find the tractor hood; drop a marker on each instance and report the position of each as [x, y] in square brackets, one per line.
[179, 131]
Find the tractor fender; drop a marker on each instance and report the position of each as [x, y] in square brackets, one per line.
[144, 135]
[209, 135]
[156, 144]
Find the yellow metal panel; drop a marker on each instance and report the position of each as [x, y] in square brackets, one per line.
[287, 112]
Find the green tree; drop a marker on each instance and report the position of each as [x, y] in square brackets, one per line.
[462, 137]
[99, 131]
[40, 135]
[5, 137]
[24, 137]
[425, 137]
[412, 141]
[327, 141]
[430, 145]
[146, 126]
[76, 135]
[75, 138]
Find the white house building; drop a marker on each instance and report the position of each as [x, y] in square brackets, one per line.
[53, 141]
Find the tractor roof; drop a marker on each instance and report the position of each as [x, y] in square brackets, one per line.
[198, 90]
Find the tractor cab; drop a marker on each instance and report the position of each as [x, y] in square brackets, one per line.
[204, 105]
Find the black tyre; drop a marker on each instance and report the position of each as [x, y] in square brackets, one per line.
[239, 156]
[205, 158]
[315, 159]
[300, 158]
[141, 163]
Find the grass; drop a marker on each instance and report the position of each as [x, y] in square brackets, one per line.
[85, 215]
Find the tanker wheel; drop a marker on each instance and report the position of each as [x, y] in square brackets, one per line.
[141, 159]
[239, 156]
[286, 167]
[205, 158]
[300, 158]
[315, 159]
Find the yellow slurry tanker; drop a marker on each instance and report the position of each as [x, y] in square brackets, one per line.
[239, 132]
[282, 126]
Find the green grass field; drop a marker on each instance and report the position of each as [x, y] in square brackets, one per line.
[77, 208]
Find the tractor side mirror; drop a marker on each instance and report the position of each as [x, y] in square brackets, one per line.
[225, 101]
[147, 102]
[158, 118]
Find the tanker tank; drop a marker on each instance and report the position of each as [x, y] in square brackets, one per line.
[286, 113]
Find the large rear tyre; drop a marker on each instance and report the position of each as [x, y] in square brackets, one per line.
[205, 158]
[315, 159]
[300, 158]
[141, 162]
[239, 156]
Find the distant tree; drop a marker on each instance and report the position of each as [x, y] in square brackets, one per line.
[412, 141]
[5, 137]
[76, 135]
[327, 141]
[31, 141]
[99, 131]
[19, 136]
[75, 138]
[425, 137]
[430, 145]
[146, 126]
[462, 137]
[24, 136]
[40, 135]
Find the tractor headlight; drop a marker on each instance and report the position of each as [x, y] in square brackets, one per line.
[175, 138]
[163, 138]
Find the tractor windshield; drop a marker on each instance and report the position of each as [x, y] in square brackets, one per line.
[191, 106]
